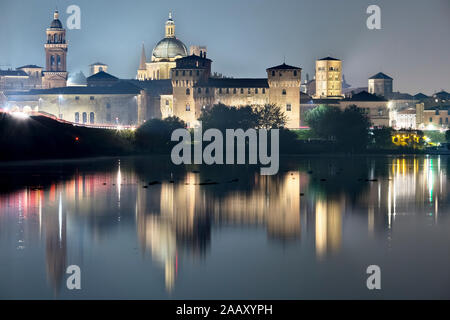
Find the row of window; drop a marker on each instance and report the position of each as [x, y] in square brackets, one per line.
[330, 69]
[440, 120]
[227, 91]
[184, 72]
[281, 74]
[84, 117]
[90, 98]
[288, 107]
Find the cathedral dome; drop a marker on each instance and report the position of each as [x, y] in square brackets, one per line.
[169, 48]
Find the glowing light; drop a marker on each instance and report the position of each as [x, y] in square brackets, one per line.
[77, 139]
[20, 115]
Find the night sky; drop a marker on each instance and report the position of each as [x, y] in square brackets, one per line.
[244, 37]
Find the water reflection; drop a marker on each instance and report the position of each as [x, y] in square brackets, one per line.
[177, 215]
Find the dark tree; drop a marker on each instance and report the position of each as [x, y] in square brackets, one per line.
[154, 135]
[270, 116]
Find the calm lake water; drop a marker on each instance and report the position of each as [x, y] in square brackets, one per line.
[226, 232]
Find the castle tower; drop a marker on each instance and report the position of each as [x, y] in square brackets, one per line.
[55, 74]
[328, 78]
[380, 84]
[284, 91]
[190, 91]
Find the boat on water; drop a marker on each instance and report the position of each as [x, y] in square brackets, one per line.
[442, 148]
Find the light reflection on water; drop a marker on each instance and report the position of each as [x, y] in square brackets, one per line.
[205, 232]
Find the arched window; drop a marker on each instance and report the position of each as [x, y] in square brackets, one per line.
[84, 117]
[188, 91]
[91, 118]
[284, 92]
[58, 59]
[188, 107]
[52, 60]
[77, 117]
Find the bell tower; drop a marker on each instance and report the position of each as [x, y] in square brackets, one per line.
[55, 74]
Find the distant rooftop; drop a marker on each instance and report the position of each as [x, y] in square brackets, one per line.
[30, 66]
[284, 66]
[365, 96]
[13, 73]
[329, 58]
[380, 75]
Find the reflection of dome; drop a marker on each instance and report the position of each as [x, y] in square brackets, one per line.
[169, 48]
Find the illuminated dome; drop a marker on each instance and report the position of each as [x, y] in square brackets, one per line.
[169, 48]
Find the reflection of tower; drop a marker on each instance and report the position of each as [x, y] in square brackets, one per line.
[283, 215]
[328, 226]
[55, 74]
[56, 246]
